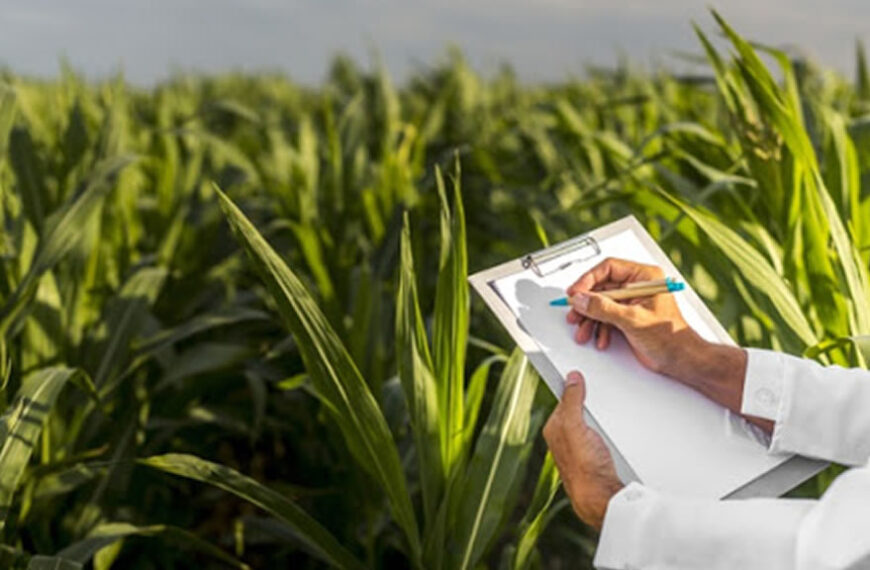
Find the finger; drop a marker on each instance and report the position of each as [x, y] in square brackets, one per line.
[614, 270]
[584, 331]
[601, 308]
[574, 393]
[604, 332]
[573, 317]
[648, 302]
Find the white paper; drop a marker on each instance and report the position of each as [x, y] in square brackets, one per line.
[673, 438]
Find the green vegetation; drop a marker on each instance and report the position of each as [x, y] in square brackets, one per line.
[236, 328]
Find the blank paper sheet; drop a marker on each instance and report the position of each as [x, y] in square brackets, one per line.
[673, 438]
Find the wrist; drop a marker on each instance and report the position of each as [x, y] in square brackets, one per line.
[716, 370]
[689, 353]
[595, 508]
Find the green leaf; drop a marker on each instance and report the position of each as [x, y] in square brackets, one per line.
[124, 318]
[63, 231]
[318, 540]
[309, 242]
[195, 325]
[851, 264]
[30, 175]
[333, 373]
[107, 534]
[40, 562]
[43, 335]
[450, 327]
[66, 480]
[539, 512]
[202, 358]
[754, 268]
[782, 109]
[862, 72]
[7, 116]
[497, 464]
[861, 344]
[153, 345]
[474, 396]
[418, 380]
[23, 423]
[225, 152]
[64, 227]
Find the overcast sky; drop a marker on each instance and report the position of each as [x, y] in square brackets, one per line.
[542, 39]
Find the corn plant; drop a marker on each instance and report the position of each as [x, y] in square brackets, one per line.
[792, 243]
[467, 484]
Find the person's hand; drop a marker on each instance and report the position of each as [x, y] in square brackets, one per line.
[653, 325]
[584, 462]
[657, 333]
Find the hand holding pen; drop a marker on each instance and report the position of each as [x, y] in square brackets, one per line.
[632, 291]
[651, 323]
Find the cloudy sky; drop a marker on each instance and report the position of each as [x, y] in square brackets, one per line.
[542, 39]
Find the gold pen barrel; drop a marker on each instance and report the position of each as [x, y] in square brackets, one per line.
[640, 284]
[632, 292]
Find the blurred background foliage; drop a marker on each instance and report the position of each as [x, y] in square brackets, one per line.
[134, 326]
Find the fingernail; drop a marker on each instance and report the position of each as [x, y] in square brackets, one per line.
[572, 379]
[581, 301]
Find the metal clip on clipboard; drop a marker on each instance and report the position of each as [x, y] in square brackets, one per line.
[550, 260]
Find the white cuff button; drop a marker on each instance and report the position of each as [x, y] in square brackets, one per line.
[765, 397]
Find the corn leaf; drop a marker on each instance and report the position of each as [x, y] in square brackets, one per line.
[65, 480]
[783, 111]
[474, 395]
[334, 374]
[497, 463]
[450, 327]
[539, 512]
[860, 343]
[28, 166]
[202, 358]
[63, 231]
[7, 116]
[418, 379]
[22, 425]
[124, 319]
[107, 534]
[41, 562]
[862, 72]
[196, 325]
[318, 540]
[755, 269]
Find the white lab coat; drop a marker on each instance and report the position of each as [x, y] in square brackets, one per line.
[819, 412]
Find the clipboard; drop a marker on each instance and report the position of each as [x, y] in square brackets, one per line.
[584, 248]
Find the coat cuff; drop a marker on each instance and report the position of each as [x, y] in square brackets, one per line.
[645, 529]
[823, 412]
[624, 523]
[764, 384]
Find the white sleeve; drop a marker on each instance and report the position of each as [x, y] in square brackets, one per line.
[644, 529]
[647, 530]
[821, 412]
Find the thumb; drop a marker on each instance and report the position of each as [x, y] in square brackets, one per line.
[600, 308]
[574, 392]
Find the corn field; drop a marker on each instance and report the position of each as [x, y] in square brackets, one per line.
[236, 325]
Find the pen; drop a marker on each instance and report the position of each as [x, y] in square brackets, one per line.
[633, 290]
